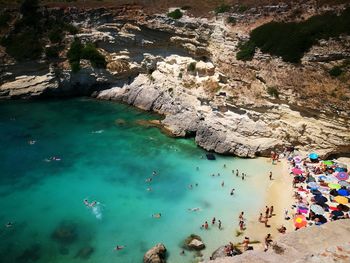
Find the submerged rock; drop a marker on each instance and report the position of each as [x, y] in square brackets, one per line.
[156, 254]
[31, 254]
[65, 233]
[85, 252]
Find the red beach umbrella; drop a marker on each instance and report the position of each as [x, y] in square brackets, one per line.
[300, 221]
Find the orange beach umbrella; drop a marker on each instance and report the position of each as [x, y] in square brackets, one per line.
[300, 221]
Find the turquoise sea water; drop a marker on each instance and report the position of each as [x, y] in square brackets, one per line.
[105, 155]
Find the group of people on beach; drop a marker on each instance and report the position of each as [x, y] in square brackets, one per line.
[268, 214]
[321, 190]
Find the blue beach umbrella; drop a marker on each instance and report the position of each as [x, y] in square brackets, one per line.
[343, 192]
[313, 156]
[320, 199]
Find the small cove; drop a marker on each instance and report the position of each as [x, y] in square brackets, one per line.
[106, 156]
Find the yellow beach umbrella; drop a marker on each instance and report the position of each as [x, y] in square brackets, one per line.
[341, 200]
[334, 186]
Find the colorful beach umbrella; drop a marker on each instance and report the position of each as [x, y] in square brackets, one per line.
[334, 186]
[320, 199]
[343, 192]
[341, 200]
[344, 183]
[300, 221]
[328, 163]
[313, 156]
[313, 185]
[343, 208]
[342, 176]
[297, 159]
[297, 171]
[317, 209]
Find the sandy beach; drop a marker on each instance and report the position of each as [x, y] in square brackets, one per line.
[279, 194]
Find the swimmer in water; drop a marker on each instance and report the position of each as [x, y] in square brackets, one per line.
[86, 202]
[9, 225]
[92, 204]
[157, 215]
[119, 247]
[149, 189]
[194, 209]
[31, 142]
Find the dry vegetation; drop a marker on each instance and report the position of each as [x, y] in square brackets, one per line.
[195, 7]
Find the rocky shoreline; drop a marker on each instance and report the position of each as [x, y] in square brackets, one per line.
[186, 70]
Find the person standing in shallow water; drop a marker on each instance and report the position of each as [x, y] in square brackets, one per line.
[206, 225]
[237, 173]
[213, 221]
[270, 176]
[219, 224]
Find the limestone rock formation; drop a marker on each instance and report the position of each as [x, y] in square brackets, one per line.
[156, 254]
[29, 86]
[323, 244]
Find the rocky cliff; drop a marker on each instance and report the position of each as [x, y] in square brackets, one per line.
[323, 244]
[187, 70]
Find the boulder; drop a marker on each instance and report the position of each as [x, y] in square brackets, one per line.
[194, 242]
[156, 254]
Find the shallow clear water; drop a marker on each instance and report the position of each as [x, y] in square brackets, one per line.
[107, 156]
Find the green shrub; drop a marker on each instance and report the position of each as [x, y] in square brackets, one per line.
[272, 91]
[246, 52]
[23, 46]
[223, 8]
[74, 52]
[29, 7]
[231, 20]
[70, 28]
[96, 58]
[191, 66]
[335, 71]
[78, 51]
[176, 14]
[291, 40]
[52, 52]
[4, 19]
[56, 35]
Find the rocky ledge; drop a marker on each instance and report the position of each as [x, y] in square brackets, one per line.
[332, 244]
